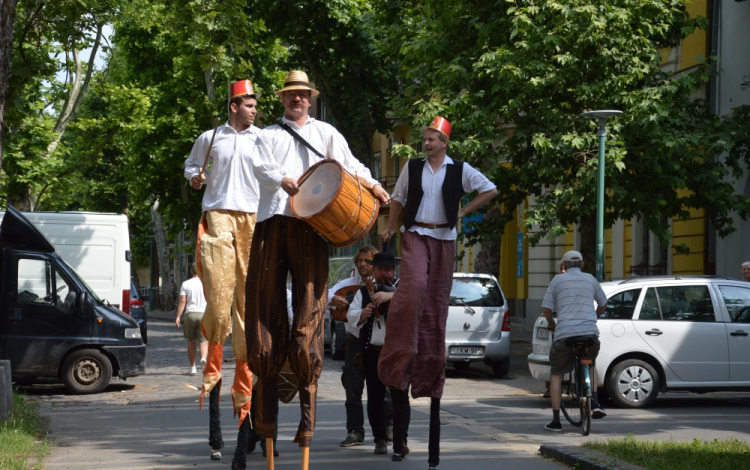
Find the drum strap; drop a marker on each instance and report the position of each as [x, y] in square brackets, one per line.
[300, 139]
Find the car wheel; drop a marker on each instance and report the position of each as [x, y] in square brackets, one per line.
[501, 368]
[461, 366]
[86, 371]
[633, 383]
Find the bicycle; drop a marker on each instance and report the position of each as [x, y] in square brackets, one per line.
[576, 391]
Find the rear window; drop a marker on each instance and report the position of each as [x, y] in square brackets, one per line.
[476, 292]
[622, 305]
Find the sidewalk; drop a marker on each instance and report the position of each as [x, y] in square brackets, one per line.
[153, 422]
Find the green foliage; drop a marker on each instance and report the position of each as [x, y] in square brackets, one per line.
[672, 455]
[23, 435]
[514, 77]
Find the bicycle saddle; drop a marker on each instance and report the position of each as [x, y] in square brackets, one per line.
[579, 340]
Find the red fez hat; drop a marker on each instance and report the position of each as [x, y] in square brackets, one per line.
[241, 88]
[441, 125]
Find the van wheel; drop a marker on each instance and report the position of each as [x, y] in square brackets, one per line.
[501, 368]
[633, 383]
[86, 371]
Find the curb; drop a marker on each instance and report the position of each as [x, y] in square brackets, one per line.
[584, 459]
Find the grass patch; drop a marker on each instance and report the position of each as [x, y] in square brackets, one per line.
[728, 454]
[23, 440]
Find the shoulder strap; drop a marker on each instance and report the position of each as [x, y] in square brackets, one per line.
[299, 138]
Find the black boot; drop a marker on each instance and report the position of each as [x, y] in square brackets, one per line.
[398, 423]
[214, 425]
[240, 453]
[434, 444]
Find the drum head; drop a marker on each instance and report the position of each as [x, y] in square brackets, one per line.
[318, 190]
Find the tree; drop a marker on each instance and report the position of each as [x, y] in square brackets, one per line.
[514, 78]
[7, 17]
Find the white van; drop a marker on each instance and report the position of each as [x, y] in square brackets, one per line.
[96, 245]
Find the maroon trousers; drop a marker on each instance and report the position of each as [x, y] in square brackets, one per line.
[414, 349]
[285, 245]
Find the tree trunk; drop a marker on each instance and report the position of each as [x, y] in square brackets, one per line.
[587, 229]
[7, 17]
[180, 262]
[167, 299]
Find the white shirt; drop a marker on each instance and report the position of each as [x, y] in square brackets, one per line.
[230, 183]
[192, 289]
[431, 209]
[282, 156]
[350, 327]
[354, 314]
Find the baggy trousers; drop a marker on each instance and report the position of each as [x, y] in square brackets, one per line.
[284, 245]
[414, 349]
[225, 237]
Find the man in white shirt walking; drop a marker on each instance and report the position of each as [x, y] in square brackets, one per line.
[353, 378]
[284, 244]
[230, 204]
[430, 191]
[192, 304]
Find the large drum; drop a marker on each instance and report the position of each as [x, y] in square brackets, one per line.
[335, 203]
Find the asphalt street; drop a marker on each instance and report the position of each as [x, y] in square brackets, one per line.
[153, 421]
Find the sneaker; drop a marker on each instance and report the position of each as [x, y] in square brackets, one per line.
[381, 447]
[353, 439]
[554, 426]
[203, 363]
[193, 371]
[215, 454]
[389, 433]
[597, 412]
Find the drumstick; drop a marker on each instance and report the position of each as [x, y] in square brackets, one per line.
[208, 153]
[269, 453]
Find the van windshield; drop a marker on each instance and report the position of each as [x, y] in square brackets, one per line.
[91, 291]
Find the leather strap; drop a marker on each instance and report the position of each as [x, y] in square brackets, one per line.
[353, 338]
[300, 139]
[420, 224]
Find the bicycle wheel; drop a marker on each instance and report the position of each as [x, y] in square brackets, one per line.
[584, 402]
[569, 406]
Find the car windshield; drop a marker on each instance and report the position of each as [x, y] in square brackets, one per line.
[476, 292]
[91, 291]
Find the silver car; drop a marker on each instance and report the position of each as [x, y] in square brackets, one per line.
[658, 334]
[478, 327]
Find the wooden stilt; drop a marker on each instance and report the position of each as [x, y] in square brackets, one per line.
[269, 453]
[305, 457]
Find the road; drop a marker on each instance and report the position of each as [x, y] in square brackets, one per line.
[153, 421]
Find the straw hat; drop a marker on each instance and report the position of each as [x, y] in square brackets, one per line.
[297, 80]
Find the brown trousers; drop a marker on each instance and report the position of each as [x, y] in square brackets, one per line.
[414, 349]
[285, 245]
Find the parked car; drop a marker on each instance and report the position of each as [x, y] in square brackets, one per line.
[665, 333]
[138, 311]
[478, 326]
[52, 324]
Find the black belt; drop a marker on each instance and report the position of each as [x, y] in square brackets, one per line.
[420, 224]
[353, 338]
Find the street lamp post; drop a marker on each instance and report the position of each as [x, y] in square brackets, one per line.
[601, 117]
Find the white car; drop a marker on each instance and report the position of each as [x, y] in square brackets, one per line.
[660, 333]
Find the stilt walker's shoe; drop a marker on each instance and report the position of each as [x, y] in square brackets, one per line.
[215, 454]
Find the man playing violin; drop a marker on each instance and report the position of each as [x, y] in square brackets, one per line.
[353, 379]
[371, 321]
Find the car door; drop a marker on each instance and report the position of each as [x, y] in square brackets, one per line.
[44, 321]
[737, 303]
[679, 322]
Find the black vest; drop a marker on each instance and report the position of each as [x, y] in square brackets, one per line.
[453, 190]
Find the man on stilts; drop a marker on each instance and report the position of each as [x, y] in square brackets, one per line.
[284, 245]
[430, 191]
[230, 204]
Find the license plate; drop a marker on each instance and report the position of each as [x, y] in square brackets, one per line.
[542, 333]
[466, 351]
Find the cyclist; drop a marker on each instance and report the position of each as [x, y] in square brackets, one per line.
[572, 296]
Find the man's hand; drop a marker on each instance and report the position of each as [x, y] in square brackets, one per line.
[551, 325]
[197, 182]
[382, 297]
[461, 214]
[365, 313]
[289, 186]
[386, 235]
[177, 321]
[381, 194]
[339, 302]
